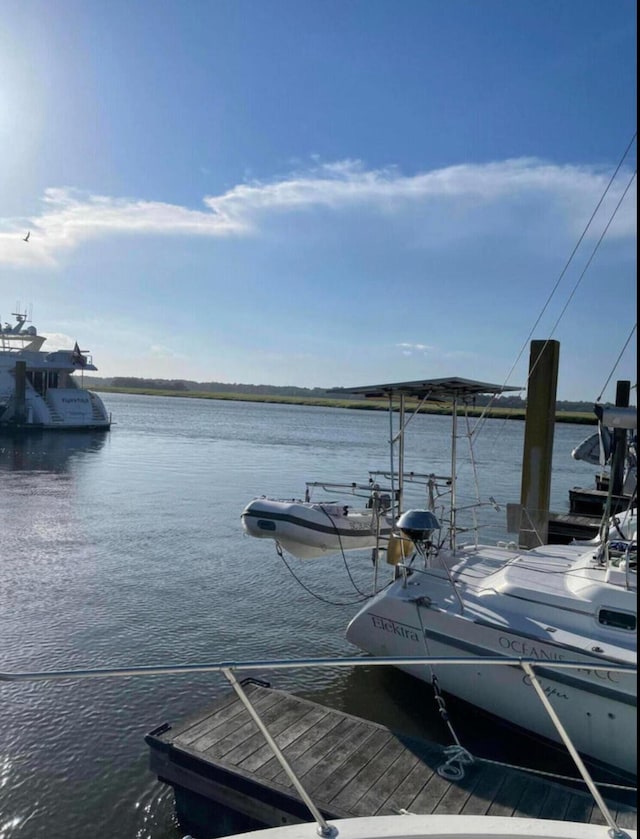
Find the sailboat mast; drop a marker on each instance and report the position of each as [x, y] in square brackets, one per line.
[392, 465]
[401, 457]
[454, 440]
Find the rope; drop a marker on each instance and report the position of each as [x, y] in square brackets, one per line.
[633, 329]
[344, 559]
[456, 754]
[554, 775]
[280, 553]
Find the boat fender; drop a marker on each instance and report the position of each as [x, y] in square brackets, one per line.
[399, 548]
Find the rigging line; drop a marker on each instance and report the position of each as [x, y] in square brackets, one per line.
[319, 597]
[626, 343]
[584, 270]
[577, 245]
[344, 559]
[571, 778]
[483, 416]
[562, 273]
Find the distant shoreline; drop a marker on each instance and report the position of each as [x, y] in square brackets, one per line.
[579, 418]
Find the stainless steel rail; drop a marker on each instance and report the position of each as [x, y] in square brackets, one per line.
[228, 669]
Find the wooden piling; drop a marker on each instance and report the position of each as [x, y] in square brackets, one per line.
[535, 492]
[20, 409]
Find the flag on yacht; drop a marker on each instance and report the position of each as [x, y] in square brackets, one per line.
[77, 356]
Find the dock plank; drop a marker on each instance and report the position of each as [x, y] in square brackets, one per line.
[580, 809]
[430, 796]
[489, 782]
[386, 785]
[371, 774]
[279, 728]
[194, 726]
[556, 803]
[294, 730]
[626, 819]
[216, 743]
[357, 765]
[307, 744]
[458, 794]
[339, 739]
[339, 754]
[532, 799]
[405, 792]
[508, 794]
[219, 725]
[349, 766]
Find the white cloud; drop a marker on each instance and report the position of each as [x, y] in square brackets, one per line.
[57, 341]
[433, 353]
[159, 351]
[409, 349]
[70, 217]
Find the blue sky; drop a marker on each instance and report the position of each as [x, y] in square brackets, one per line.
[322, 193]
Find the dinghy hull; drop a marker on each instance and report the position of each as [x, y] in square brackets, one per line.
[308, 530]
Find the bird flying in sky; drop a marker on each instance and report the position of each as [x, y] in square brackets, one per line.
[26, 238]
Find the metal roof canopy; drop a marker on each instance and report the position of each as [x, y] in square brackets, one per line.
[432, 389]
[453, 390]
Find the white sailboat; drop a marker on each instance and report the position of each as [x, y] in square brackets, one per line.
[552, 602]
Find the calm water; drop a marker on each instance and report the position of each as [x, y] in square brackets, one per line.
[126, 548]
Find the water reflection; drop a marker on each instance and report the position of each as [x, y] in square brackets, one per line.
[47, 451]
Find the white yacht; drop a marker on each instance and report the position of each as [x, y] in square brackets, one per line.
[553, 603]
[38, 389]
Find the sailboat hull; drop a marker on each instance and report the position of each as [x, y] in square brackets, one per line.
[596, 707]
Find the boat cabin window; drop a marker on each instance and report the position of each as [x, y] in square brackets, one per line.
[43, 380]
[265, 524]
[618, 620]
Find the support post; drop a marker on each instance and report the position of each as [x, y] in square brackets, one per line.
[623, 390]
[540, 418]
[20, 405]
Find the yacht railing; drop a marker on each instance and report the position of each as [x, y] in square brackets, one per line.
[361, 490]
[229, 670]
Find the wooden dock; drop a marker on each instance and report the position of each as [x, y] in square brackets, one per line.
[218, 763]
[565, 527]
[586, 508]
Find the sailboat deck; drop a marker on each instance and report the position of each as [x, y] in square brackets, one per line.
[349, 766]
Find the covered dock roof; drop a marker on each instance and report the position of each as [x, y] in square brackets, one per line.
[437, 390]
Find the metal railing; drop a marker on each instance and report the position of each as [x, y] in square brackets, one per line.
[229, 669]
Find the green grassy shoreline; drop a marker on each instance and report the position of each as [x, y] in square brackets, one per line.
[351, 404]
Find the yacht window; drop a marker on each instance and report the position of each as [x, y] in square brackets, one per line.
[619, 620]
[264, 524]
[38, 381]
